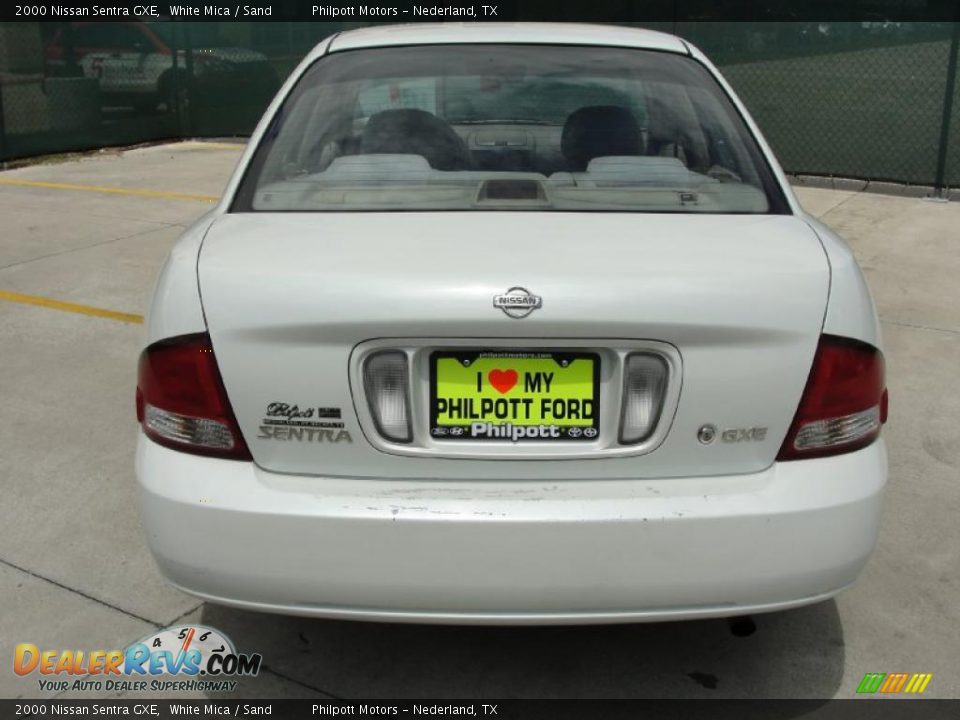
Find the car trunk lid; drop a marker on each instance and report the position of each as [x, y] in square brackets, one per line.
[289, 297]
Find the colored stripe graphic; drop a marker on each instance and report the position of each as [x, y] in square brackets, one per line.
[918, 683]
[893, 683]
[871, 682]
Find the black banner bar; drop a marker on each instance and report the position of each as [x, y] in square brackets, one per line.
[861, 709]
[640, 11]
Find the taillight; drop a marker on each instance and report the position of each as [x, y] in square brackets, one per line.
[388, 394]
[181, 402]
[644, 381]
[844, 403]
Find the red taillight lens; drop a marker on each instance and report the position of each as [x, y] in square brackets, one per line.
[844, 403]
[181, 402]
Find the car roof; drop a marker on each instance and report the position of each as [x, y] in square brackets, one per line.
[505, 32]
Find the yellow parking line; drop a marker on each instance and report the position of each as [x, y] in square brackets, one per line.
[70, 307]
[110, 190]
[209, 145]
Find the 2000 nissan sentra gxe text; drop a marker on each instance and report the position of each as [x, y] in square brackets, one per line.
[510, 324]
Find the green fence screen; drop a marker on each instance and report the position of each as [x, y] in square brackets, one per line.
[875, 99]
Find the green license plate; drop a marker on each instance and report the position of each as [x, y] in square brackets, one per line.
[504, 395]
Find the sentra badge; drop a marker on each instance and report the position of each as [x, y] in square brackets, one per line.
[285, 421]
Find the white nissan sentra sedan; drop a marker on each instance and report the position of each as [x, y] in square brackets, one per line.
[510, 324]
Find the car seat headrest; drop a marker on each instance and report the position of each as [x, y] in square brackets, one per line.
[599, 131]
[416, 132]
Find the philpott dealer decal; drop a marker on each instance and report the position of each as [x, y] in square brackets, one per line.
[283, 421]
[190, 658]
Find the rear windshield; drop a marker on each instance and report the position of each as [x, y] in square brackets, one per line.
[519, 127]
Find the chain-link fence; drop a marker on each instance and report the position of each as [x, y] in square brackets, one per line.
[874, 99]
[844, 100]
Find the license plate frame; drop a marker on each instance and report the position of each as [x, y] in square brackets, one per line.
[522, 415]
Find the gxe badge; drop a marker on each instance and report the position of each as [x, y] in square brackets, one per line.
[517, 302]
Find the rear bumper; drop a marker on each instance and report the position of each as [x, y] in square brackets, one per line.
[511, 551]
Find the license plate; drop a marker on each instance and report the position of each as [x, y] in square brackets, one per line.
[514, 396]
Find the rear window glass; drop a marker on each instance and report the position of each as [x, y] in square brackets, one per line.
[484, 127]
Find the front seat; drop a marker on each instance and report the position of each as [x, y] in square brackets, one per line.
[599, 131]
[416, 132]
[672, 134]
[663, 130]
